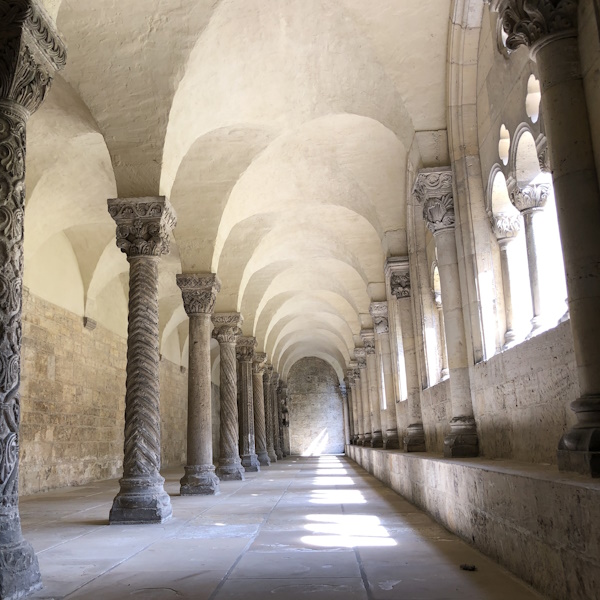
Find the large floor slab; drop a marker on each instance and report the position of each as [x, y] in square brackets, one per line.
[317, 526]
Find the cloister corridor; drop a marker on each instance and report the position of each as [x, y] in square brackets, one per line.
[318, 527]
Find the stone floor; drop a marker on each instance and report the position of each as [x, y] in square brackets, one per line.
[318, 526]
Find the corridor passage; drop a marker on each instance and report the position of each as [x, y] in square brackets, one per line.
[318, 527]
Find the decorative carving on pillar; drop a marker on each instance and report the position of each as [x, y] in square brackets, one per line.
[544, 160]
[199, 292]
[379, 313]
[433, 190]
[368, 338]
[530, 197]
[400, 285]
[245, 349]
[260, 433]
[506, 226]
[527, 22]
[31, 53]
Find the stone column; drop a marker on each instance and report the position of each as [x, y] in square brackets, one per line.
[433, 190]
[275, 414]
[258, 397]
[365, 411]
[437, 300]
[506, 228]
[199, 293]
[550, 29]
[399, 273]
[351, 374]
[368, 337]
[245, 354]
[530, 202]
[31, 53]
[360, 426]
[349, 408]
[282, 399]
[269, 412]
[226, 331]
[379, 313]
[143, 229]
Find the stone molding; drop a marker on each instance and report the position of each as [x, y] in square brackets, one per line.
[400, 285]
[433, 191]
[258, 362]
[32, 51]
[199, 292]
[530, 197]
[544, 160]
[361, 358]
[245, 348]
[368, 338]
[531, 22]
[144, 225]
[227, 327]
[379, 313]
[506, 226]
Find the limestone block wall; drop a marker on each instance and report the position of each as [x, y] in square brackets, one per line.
[542, 525]
[437, 412]
[522, 397]
[73, 400]
[315, 408]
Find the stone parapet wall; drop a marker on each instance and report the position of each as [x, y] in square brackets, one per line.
[437, 412]
[543, 526]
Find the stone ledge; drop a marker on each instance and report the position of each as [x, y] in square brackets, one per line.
[542, 525]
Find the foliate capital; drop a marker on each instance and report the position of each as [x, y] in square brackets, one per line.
[368, 338]
[400, 285]
[227, 327]
[433, 190]
[530, 197]
[379, 312]
[528, 22]
[245, 348]
[361, 357]
[143, 225]
[199, 292]
[32, 51]
[275, 379]
[258, 362]
[506, 226]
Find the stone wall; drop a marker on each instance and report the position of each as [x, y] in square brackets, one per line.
[522, 397]
[437, 412]
[315, 408]
[542, 525]
[73, 401]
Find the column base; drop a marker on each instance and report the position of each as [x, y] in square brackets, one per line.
[230, 470]
[199, 480]
[263, 459]
[414, 440]
[367, 440]
[250, 463]
[377, 440]
[272, 455]
[20, 572]
[391, 442]
[279, 454]
[510, 339]
[140, 500]
[360, 442]
[579, 448]
[462, 441]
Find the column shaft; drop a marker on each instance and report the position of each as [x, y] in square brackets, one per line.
[510, 335]
[245, 353]
[276, 416]
[258, 398]
[269, 413]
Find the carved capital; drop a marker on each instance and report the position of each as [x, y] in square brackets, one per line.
[368, 338]
[400, 285]
[530, 197]
[544, 160]
[361, 357]
[433, 190]
[275, 379]
[379, 312]
[529, 22]
[506, 226]
[258, 362]
[199, 292]
[245, 348]
[31, 52]
[143, 225]
[227, 327]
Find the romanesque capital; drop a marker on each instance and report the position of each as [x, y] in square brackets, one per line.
[368, 338]
[544, 160]
[530, 197]
[199, 292]
[268, 372]
[361, 358]
[531, 22]
[227, 327]
[350, 376]
[258, 362]
[379, 313]
[397, 269]
[506, 226]
[245, 348]
[31, 52]
[433, 190]
[144, 225]
[275, 379]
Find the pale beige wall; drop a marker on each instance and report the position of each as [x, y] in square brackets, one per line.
[437, 412]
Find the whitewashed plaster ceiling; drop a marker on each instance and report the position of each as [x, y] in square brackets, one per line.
[278, 129]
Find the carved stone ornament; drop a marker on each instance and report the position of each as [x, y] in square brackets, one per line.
[530, 197]
[433, 190]
[258, 362]
[368, 338]
[527, 22]
[350, 376]
[400, 285]
[144, 225]
[506, 226]
[361, 358]
[378, 309]
[245, 348]
[199, 292]
[227, 327]
[544, 160]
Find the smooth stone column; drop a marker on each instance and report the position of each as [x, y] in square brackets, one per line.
[361, 358]
[551, 32]
[349, 396]
[530, 202]
[31, 53]
[437, 300]
[345, 410]
[226, 331]
[360, 427]
[275, 413]
[351, 374]
[368, 337]
[269, 412]
[199, 293]
[398, 270]
[379, 313]
[433, 190]
[245, 354]
[143, 229]
[258, 397]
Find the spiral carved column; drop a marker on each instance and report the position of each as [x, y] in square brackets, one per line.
[143, 229]
[269, 412]
[258, 397]
[245, 353]
[226, 332]
[31, 52]
[275, 413]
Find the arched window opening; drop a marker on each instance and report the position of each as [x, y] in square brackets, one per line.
[504, 144]
[533, 99]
